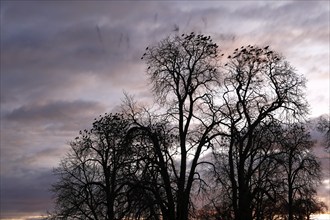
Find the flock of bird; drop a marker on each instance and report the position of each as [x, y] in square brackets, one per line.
[248, 52]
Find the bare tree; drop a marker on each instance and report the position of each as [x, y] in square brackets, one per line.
[262, 173]
[285, 173]
[301, 172]
[259, 87]
[92, 177]
[183, 72]
[148, 163]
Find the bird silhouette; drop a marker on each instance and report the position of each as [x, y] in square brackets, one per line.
[266, 48]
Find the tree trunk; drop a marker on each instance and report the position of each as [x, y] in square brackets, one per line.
[244, 206]
[290, 188]
[244, 201]
[290, 202]
[183, 207]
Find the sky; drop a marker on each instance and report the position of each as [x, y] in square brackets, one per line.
[63, 63]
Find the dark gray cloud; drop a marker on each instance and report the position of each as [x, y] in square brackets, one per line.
[24, 195]
[65, 62]
[58, 111]
[57, 50]
[34, 137]
[49, 118]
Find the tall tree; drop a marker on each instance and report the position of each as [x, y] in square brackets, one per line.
[259, 87]
[147, 164]
[183, 72]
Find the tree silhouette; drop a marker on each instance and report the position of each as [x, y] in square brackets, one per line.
[226, 130]
[92, 177]
[285, 173]
[300, 171]
[259, 87]
[154, 165]
[184, 75]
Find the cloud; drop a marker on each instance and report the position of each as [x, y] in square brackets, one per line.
[23, 195]
[33, 141]
[323, 157]
[38, 63]
[35, 136]
[65, 62]
[58, 113]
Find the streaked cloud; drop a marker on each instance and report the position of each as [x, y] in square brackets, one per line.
[65, 62]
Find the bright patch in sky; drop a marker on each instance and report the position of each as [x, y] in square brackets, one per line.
[326, 183]
[321, 217]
